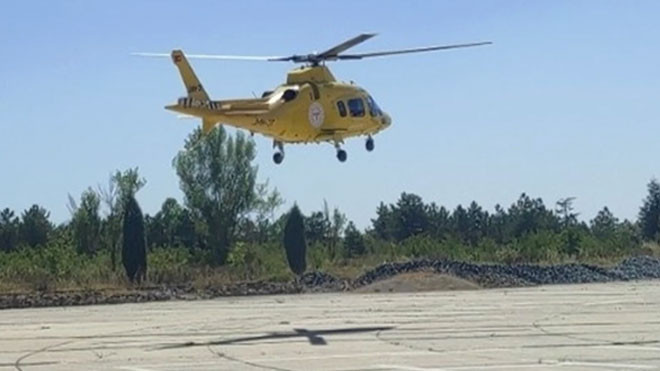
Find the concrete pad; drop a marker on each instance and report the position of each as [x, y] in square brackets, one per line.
[614, 326]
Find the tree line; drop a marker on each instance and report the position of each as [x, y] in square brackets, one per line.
[224, 206]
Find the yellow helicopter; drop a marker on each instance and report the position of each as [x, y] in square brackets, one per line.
[312, 106]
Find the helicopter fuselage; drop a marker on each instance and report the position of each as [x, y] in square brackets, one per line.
[310, 107]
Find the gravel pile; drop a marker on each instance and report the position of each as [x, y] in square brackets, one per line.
[486, 275]
[140, 295]
[515, 275]
[637, 268]
[322, 282]
[59, 299]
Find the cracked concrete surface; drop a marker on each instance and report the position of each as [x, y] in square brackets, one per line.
[611, 326]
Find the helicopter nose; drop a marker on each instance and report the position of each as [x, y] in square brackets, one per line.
[386, 120]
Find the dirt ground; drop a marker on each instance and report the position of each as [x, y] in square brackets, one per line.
[419, 281]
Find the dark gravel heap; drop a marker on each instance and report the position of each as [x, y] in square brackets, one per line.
[145, 294]
[486, 275]
[637, 268]
[514, 275]
[322, 282]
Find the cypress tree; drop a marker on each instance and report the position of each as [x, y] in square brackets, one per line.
[649, 213]
[294, 241]
[133, 253]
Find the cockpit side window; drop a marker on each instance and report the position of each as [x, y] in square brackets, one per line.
[374, 110]
[356, 107]
[341, 107]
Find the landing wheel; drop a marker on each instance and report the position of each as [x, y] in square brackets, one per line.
[278, 157]
[369, 144]
[341, 155]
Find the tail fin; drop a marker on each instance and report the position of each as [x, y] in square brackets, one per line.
[193, 86]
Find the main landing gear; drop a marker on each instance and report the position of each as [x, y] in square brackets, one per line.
[341, 154]
[278, 156]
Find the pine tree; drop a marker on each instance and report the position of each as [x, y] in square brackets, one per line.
[477, 223]
[383, 225]
[35, 226]
[294, 241]
[411, 216]
[604, 225]
[564, 209]
[317, 228]
[439, 221]
[460, 223]
[353, 241]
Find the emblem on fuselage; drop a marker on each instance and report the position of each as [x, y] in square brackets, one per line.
[316, 115]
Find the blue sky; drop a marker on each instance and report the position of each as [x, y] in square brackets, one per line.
[565, 103]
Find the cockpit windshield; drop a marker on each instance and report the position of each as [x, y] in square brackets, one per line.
[374, 110]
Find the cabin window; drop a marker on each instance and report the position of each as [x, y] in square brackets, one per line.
[356, 107]
[341, 107]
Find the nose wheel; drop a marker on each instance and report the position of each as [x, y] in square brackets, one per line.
[369, 144]
[278, 156]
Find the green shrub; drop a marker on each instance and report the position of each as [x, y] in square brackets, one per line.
[170, 265]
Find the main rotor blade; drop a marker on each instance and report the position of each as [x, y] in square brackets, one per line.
[214, 56]
[405, 51]
[345, 45]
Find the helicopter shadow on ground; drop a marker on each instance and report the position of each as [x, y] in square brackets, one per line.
[315, 337]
